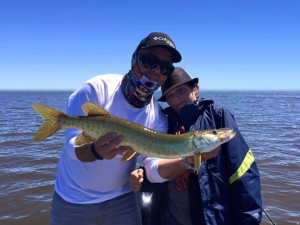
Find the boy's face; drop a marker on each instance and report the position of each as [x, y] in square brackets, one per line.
[182, 95]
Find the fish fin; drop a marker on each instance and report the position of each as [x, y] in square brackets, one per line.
[129, 154]
[50, 125]
[197, 162]
[82, 139]
[92, 109]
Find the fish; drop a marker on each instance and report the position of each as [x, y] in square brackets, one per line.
[98, 122]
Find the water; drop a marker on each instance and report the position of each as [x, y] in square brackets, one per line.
[270, 122]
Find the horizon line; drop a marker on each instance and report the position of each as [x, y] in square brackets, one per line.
[72, 90]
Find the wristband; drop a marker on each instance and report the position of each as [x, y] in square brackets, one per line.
[189, 168]
[95, 154]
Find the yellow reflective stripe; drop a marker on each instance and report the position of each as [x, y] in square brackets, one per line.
[246, 164]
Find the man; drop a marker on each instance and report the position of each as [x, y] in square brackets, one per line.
[92, 185]
[227, 189]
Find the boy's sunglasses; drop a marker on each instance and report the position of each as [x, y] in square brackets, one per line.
[150, 61]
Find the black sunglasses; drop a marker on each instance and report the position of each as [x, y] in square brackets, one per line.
[150, 61]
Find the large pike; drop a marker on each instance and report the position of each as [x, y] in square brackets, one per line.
[141, 139]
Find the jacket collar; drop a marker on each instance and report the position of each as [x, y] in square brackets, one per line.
[189, 113]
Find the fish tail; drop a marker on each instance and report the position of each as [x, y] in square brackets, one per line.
[50, 125]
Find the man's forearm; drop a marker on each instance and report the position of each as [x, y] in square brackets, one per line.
[171, 168]
[84, 153]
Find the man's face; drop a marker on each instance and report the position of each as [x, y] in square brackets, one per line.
[155, 63]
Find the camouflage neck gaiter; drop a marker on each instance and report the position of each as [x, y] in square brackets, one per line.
[135, 92]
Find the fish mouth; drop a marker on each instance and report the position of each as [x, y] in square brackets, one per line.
[226, 135]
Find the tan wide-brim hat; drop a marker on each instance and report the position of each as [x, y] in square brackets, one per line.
[177, 78]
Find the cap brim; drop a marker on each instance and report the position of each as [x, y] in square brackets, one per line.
[176, 55]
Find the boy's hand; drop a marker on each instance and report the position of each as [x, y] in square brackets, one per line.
[136, 179]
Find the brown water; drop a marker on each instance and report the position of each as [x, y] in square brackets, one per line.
[270, 122]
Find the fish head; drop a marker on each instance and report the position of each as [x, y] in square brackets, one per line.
[208, 140]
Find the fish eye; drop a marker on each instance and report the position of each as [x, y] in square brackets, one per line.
[215, 132]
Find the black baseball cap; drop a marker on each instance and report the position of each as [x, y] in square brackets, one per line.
[162, 40]
[177, 78]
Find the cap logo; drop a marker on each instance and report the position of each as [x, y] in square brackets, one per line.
[168, 42]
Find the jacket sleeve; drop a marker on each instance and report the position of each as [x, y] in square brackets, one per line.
[243, 175]
[233, 171]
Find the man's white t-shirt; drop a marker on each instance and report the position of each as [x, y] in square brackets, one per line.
[101, 180]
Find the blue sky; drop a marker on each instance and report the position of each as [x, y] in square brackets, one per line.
[228, 44]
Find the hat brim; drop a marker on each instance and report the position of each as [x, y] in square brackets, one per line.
[163, 97]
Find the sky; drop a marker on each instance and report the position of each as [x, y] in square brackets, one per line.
[227, 44]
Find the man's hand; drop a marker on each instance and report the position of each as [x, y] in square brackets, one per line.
[204, 156]
[211, 154]
[107, 146]
[136, 179]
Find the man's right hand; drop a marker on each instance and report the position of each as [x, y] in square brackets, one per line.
[210, 155]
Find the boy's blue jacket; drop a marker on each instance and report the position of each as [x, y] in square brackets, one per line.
[227, 188]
